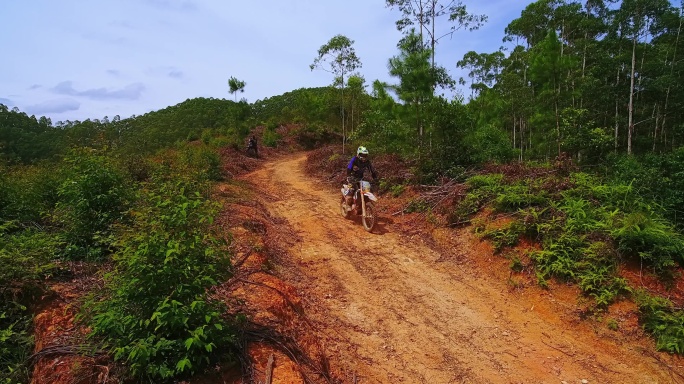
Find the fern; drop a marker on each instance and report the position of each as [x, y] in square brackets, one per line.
[666, 324]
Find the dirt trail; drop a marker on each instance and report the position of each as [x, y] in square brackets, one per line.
[389, 309]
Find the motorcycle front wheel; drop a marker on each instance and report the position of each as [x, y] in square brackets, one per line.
[343, 208]
[369, 218]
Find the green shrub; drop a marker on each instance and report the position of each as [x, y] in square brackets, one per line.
[16, 343]
[155, 314]
[202, 162]
[490, 182]
[482, 189]
[559, 256]
[395, 190]
[489, 143]
[94, 196]
[25, 263]
[659, 317]
[270, 138]
[651, 238]
[507, 236]
[597, 274]
[514, 197]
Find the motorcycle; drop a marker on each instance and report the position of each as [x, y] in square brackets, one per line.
[354, 204]
[251, 151]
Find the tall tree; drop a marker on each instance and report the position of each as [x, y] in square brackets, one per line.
[548, 69]
[417, 78]
[236, 86]
[338, 57]
[425, 13]
[637, 18]
[356, 85]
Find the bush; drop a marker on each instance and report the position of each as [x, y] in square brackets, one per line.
[651, 238]
[93, 197]
[659, 317]
[202, 162]
[489, 144]
[270, 138]
[156, 314]
[25, 263]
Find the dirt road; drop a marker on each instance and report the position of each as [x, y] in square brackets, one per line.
[389, 309]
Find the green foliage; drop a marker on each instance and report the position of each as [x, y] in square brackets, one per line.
[236, 86]
[651, 238]
[489, 182]
[659, 317]
[515, 197]
[386, 134]
[586, 229]
[489, 144]
[28, 194]
[270, 138]
[16, 343]
[94, 196]
[25, 263]
[612, 324]
[598, 274]
[156, 314]
[517, 265]
[482, 189]
[188, 120]
[395, 190]
[506, 236]
[201, 162]
[658, 177]
[308, 105]
[26, 258]
[559, 257]
[418, 205]
[25, 139]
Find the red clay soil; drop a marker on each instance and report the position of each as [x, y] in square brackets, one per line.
[59, 353]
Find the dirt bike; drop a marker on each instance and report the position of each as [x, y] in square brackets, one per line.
[355, 205]
[251, 151]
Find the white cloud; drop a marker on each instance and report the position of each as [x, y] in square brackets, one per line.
[56, 106]
[129, 92]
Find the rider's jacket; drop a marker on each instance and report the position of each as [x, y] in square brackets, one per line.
[356, 168]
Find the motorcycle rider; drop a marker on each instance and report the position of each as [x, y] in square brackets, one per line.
[357, 167]
[252, 144]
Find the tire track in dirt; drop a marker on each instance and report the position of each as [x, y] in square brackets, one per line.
[388, 311]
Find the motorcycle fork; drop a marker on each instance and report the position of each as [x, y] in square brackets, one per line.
[363, 200]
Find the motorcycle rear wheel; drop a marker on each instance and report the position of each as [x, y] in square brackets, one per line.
[369, 218]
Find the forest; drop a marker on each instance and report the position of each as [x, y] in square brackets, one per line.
[589, 90]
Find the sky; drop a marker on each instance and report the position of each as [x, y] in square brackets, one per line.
[87, 59]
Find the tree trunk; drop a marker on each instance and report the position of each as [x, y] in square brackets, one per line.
[433, 42]
[667, 93]
[630, 109]
[344, 132]
[514, 131]
[655, 128]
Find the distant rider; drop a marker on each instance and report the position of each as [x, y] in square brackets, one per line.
[357, 167]
[252, 144]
